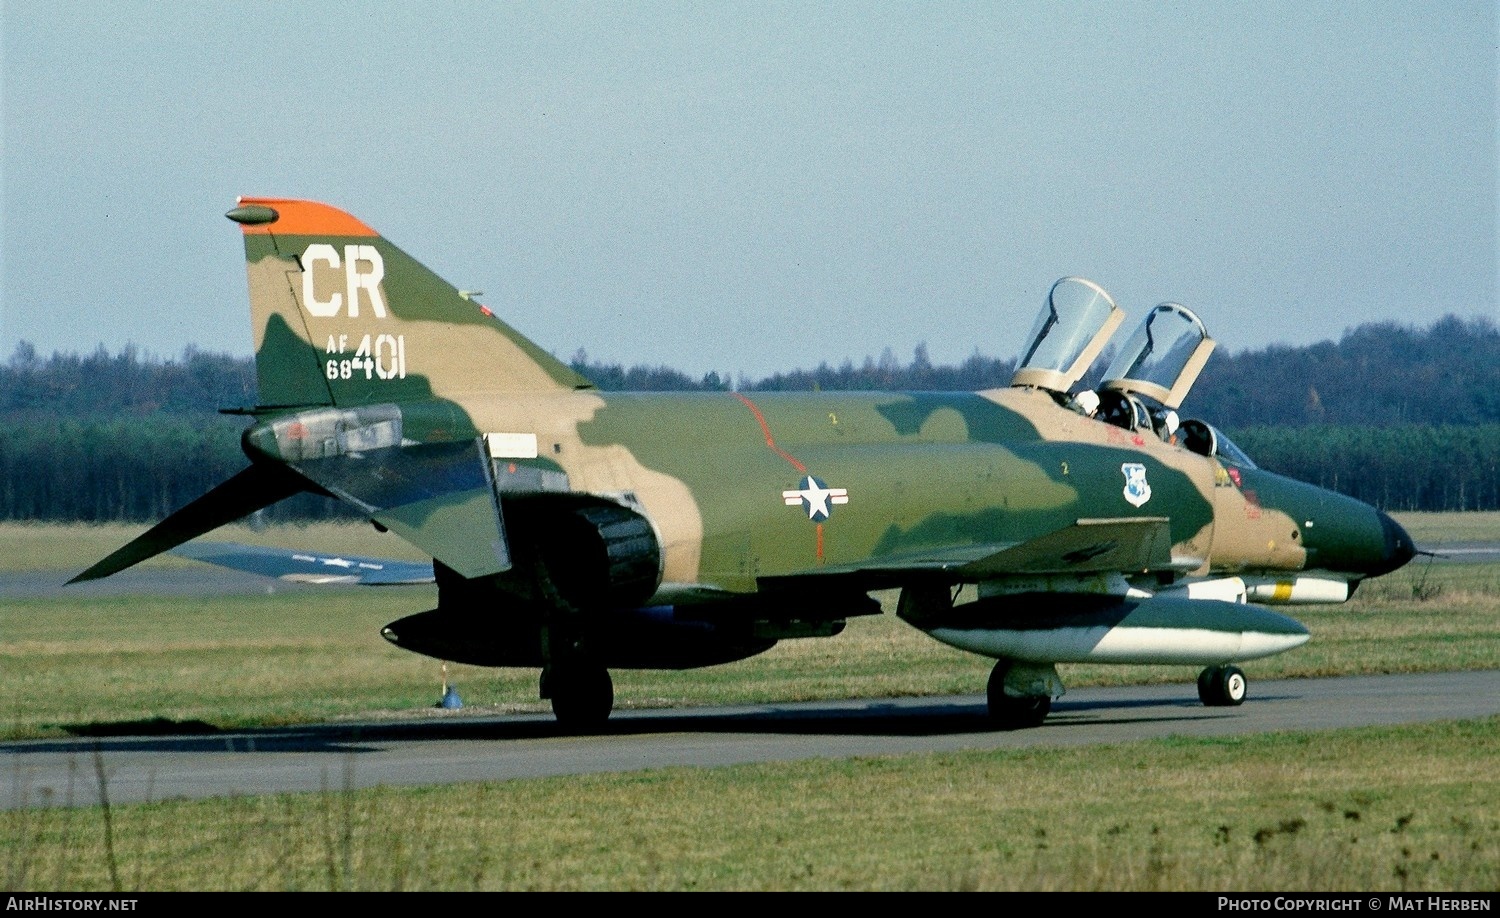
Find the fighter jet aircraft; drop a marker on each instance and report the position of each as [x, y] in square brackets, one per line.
[576, 531]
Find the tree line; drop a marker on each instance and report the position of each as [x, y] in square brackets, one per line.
[1404, 418]
[1400, 467]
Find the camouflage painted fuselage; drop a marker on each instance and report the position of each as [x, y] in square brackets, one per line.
[925, 477]
[343, 318]
[576, 529]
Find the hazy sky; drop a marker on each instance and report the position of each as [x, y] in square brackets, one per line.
[752, 187]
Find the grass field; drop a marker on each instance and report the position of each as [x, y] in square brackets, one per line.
[1408, 809]
[1377, 809]
[1433, 530]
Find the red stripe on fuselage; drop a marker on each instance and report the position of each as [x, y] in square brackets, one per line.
[770, 440]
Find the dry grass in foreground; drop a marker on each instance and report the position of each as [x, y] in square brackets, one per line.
[1408, 808]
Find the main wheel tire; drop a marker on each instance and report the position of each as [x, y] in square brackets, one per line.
[582, 695]
[1206, 686]
[1008, 712]
[1222, 686]
[1232, 686]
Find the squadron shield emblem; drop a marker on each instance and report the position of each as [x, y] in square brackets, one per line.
[1137, 490]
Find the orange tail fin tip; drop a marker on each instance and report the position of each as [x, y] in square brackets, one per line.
[289, 217]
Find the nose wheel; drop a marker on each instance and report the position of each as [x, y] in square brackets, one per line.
[1222, 686]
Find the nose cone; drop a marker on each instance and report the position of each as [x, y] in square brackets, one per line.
[1398, 548]
[1340, 534]
[1355, 538]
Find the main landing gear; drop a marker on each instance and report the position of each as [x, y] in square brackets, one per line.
[1012, 711]
[1222, 686]
[582, 693]
[1020, 694]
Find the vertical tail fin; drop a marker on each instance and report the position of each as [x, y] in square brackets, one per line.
[344, 318]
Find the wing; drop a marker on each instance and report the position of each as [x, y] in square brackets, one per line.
[307, 566]
[435, 495]
[1086, 546]
[1133, 544]
[254, 488]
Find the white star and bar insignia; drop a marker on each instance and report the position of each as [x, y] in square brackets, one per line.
[815, 497]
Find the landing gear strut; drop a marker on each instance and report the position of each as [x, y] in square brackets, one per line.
[1011, 712]
[1222, 686]
[579, 687]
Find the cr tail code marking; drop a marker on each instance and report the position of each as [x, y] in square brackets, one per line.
[362, 268]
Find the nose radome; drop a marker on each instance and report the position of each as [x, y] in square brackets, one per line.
[1399, 547]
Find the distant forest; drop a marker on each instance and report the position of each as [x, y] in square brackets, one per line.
[1405, 418]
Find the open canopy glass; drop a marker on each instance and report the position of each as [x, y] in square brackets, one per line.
[1075, 323]
[1163, 357]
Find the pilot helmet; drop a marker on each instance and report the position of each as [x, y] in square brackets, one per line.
[1166, 423]
[1170, 423]
[1087, 402]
